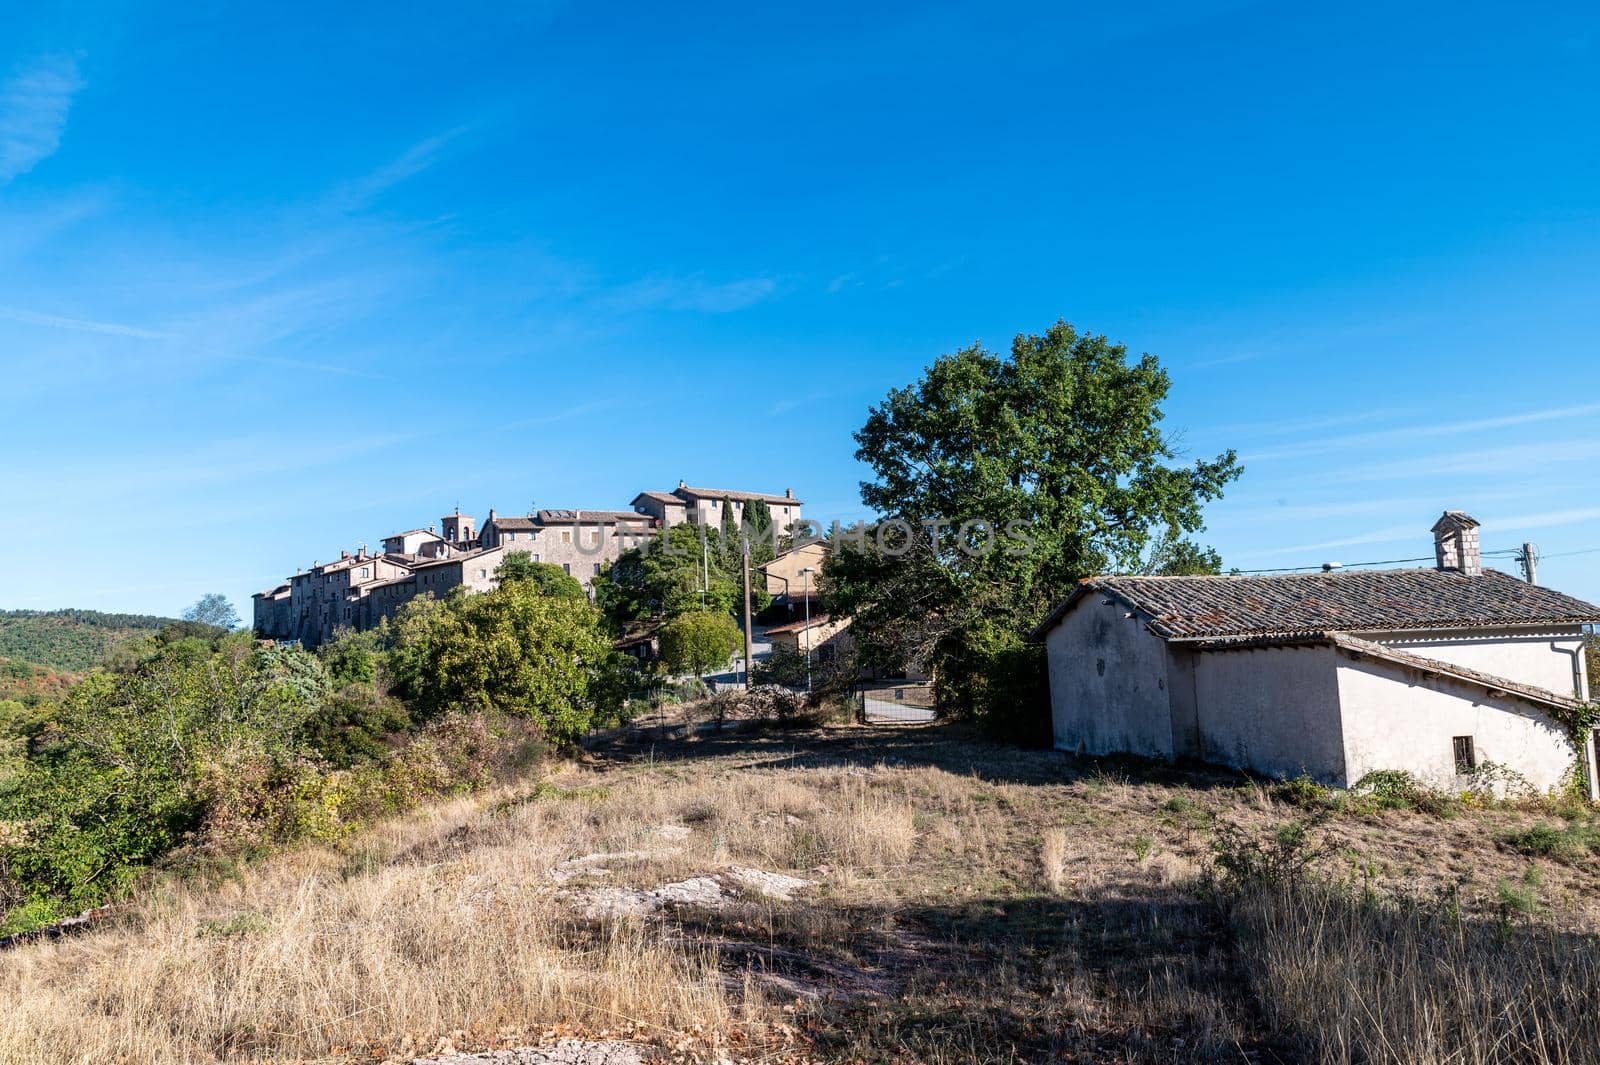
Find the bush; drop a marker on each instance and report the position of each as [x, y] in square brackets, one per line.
[1395, 789]
[1001, 681]
[1306, 793]
[1245, 862]
[699, 642]
[1566, 843]
[513, 649]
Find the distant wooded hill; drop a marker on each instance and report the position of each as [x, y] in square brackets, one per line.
[69, 640]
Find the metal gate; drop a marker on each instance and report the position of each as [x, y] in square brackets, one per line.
[895, 705]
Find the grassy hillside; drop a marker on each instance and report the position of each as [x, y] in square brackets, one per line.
[68, 640]
[951, 901]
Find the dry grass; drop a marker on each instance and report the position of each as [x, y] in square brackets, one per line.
[971, 903]
[1410, 984]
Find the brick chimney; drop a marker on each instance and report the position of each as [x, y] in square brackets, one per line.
[1455, 543]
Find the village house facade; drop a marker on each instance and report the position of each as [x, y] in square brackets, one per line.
[360, 590]
[1438, 672]
[703, 506]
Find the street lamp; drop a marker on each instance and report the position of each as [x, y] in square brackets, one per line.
[805, 575]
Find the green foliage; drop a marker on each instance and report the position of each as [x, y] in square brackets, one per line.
[699, 642]
[665, 578]
[351, 657]
[1306, 793]
[785, 666]
[1280, 858]
[213, 609]
[1520, 897]
[512, 649]
[71, 640]
[1174, 556]
[122, 775]
[1005, 680]
[1061, 437]
[1566, 843]
[1395, 789]
[352, 724]
[546, 578]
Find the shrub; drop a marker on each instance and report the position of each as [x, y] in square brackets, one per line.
[699, 642]
[1306, 793]
[1567, 843]
[512, 649]
[1244, 861]
[1395, 789]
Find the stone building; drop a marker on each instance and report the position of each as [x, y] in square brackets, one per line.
[1438, 672]
[360, 590]
[703, 506]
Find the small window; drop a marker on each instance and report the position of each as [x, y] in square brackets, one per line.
[1466, 757]
[566, 567]
[482, 573]
[566, 537]
[597, 569]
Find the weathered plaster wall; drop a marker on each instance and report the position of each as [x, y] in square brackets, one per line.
[1398, 718]
[1274, 710]
[1544, 660]
[1108, 682]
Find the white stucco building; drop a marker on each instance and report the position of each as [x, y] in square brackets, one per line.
[1336, 674]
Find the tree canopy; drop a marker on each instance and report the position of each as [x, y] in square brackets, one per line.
[513, 649]
[213, 609]
[1001, 480]
[699, 642]
[545, 578]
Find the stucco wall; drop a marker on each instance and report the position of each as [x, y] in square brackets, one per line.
[1544, 660]
[1108, 682]
[1398, 718]
[1273, 709]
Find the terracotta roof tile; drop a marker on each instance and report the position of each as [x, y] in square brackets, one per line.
[1369, 600]
[724, 493]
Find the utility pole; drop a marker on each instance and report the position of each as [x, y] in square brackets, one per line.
[749, 642]
[1529, 560]
[806, 585]
[705, 568]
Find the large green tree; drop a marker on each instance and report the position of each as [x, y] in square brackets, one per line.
[514, 649]
[667, 577]
[1002, 479]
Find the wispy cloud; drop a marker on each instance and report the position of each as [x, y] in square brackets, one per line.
[1544, 519]
[691, 294]
[33, 111]
[1514, 459]
[1408, 533]
[413, 161]
[81, 325]
[1384, 436]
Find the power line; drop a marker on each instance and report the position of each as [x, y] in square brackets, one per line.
[1341, 565]
[1507, 552]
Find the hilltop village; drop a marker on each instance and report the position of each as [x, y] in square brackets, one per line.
[359, 589]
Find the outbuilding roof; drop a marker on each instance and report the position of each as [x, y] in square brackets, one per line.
[1183, 608]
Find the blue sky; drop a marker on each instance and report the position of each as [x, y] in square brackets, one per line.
[278, 279]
